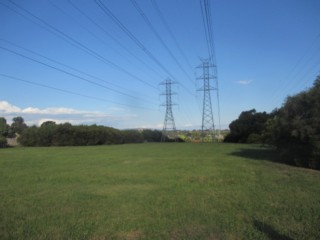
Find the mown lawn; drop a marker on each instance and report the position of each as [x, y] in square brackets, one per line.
[156, 191]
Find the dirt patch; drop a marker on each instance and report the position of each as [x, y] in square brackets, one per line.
[132, 235]
[98, 238]
[195, 232]
[189, 232]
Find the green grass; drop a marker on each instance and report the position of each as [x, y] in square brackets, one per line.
[156, 191]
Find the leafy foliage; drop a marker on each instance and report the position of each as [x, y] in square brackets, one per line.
[7, 131]
[248, 127]
[295, 130]
[51, 134]
[4, 127]
[18, 125]
[132, 136]
[3, 142]
[151, 135]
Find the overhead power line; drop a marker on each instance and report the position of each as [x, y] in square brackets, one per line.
[66, 72]
[107, 11]
[208, 28]
[76, 70]
[95, 23]
[148, 22]
[72, 41]
[69, 92]
[294, 78]
[170, 32]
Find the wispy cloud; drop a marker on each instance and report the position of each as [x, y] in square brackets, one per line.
[6, 107]
[51, 111]
[36, 116]
[244, 82]
[149, 126]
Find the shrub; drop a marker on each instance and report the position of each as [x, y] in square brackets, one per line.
[3, 142]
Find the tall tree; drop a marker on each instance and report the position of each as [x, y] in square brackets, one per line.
[295, 130]
[249, 125]
[4, 128]
[18, 125]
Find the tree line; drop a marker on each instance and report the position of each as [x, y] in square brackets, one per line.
[52, 134]
[294, 129]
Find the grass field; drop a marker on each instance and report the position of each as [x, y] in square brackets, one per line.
[156, 191]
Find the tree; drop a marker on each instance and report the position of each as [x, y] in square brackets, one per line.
[48, 124]
[249, 126]
[18, 125]
[3, 142]
[63, 135]
[151, 135]
[52, 134]
[132, 136]
[29, 137]
[4, 127]
[46, 133]
[295, 130]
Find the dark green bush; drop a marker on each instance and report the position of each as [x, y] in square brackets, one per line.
[3, 142]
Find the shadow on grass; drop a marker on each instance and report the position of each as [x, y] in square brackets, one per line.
[269, 231]
[262, 153]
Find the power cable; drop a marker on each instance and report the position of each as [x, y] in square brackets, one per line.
[113, 38]
[75, 43]
[81, 25]
[107, 11]
[205, 28]
[69, 92]
[66, 72]
[170, 32]
[301, 63]
[72, 68]
[148, 22]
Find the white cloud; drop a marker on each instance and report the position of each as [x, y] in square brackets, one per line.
[148, 126]
[36, 116]
[244, 82]
[6, 107]
[116, 109]
[52, 111]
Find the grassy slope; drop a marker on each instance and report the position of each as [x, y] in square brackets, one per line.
[155, 191]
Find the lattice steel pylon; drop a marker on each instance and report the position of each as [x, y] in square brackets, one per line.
[169, 127]
[207, 126]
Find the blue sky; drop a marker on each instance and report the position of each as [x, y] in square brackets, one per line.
[67, 60]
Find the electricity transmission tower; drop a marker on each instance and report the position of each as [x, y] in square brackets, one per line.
[169, 127]
[207, 126]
